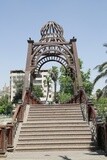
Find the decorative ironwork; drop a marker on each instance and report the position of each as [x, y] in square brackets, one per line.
[52, 47]
[44, 60]
[52, 32]
[84, 111]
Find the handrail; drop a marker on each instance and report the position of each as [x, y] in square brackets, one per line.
[16, 113]
[8, 131]
[97, 126]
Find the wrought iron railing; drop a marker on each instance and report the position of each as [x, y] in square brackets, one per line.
[97, 126]
[8, 131]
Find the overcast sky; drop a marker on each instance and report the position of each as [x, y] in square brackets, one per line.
[21, 19]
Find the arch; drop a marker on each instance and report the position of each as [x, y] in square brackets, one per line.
[43, 53]
[52, 44]
[46, 59]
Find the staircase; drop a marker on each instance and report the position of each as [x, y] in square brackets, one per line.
[54, 127]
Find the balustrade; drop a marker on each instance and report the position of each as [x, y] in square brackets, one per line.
[97, 126]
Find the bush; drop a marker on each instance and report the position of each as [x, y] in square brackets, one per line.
[5, 106]
[64, 97]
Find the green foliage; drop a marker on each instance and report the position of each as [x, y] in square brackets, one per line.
[66, 86]
[5, 106]
[101, 105]
[87, 84]
[17, 97]
[102, 69]
[54, 73]
[37, 91]
[66, 83]
[19, 89]
[98, 93]
[64, 97]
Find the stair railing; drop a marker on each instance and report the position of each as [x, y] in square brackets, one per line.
[97, 126]
[8, 131]
[3, 140]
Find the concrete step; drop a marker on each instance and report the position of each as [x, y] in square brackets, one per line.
[53, 148]
[75, 112]
[58, 142]
[56, 122]
[63, 131]
[55, 135]
[49, 129]
[50, 138]
[55, 108]
[54, 126]
[53, 118]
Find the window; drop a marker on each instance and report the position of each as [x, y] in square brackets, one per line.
[38, 81]
[38, 76]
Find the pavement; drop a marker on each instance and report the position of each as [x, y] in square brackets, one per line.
[55, 155]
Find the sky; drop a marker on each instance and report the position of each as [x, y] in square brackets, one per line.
[86, 20]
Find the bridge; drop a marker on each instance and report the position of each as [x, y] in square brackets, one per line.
[58, 131]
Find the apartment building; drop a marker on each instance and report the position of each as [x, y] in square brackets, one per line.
[15, 75]
[40, 80]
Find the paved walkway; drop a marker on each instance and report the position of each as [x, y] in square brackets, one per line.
[56, 155]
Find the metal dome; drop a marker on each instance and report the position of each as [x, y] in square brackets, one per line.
[51, 32]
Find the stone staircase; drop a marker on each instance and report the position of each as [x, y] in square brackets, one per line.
[54, 127]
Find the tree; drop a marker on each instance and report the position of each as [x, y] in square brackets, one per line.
[5, 105]
[101, 93]
[101, 105]
[66, 85]
[65, 80]
[54, 76]
[37, 91]
[87, 84]
[47, 82]
[19, 88]
[102, 69]
[98, 94]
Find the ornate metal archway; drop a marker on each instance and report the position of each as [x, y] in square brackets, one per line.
[52, 47]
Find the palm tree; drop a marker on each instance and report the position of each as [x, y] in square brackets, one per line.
[98, 94]
[54, 76]
[102, 69]
[47, 82]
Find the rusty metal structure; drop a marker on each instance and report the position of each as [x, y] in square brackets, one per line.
[52, 47]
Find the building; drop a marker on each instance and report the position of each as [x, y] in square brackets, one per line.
[15, 75]
[5, 91]
[40, 80]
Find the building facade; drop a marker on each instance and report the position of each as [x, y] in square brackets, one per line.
[41, 81]
[18, 75]
[15, 75]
